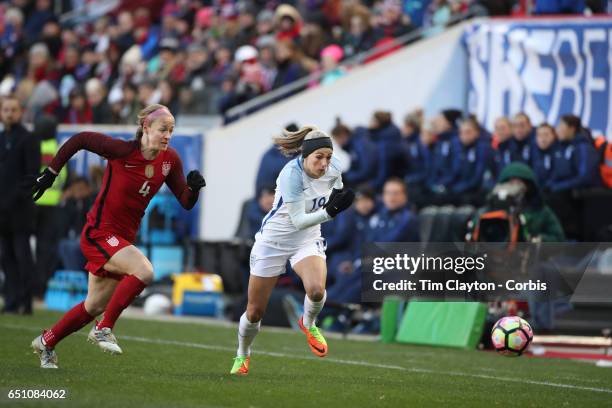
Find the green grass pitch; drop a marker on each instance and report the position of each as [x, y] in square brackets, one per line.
[171, 364]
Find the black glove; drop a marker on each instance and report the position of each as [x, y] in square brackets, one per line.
[333, 195]
[195, 180]
[36, 185]
[339, 202]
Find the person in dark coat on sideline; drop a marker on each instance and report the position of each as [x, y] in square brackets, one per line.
[19, 157]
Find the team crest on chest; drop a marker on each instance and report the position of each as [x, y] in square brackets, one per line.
[166, 166]
[149, 171]
[112, 241]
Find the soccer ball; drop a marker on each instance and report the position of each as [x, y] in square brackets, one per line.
[511, 336]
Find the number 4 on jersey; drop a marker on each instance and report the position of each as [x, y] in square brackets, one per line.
[145, 189]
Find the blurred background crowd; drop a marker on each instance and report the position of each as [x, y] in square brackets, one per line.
[102, 61]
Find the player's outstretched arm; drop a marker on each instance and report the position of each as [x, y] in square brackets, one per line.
[98, 143]
[185, 191]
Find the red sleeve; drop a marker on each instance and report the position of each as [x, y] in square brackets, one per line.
[178, 185]
[94, 142]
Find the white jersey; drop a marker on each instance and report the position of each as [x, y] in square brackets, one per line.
[292, 185]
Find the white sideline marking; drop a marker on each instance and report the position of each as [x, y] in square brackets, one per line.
[340, 361]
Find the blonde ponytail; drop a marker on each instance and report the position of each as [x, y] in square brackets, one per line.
[290, 143]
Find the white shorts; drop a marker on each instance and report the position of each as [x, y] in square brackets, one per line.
[268, 260]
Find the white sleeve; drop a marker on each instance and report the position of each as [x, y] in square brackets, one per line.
[301, 220]
[337, 166]
[339, 184]
[290, 185]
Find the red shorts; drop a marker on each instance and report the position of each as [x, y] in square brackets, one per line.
[98, 247]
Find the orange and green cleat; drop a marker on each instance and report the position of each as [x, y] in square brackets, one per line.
[316, 341]
[241, 365]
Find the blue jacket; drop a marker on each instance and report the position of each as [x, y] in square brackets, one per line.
[255, 216]
[559, 7]
[394, 226]
[524, 148]
[390, 160]
[470, 166]
[364, 158]
[340, 232]
[543, 165]
[442, 160]
[270, 166]
[417, 159]
[575, 165]
[505, 154]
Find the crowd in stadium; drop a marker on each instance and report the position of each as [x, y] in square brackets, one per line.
[88, 64]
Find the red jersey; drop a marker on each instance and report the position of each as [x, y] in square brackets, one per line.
[130, 181]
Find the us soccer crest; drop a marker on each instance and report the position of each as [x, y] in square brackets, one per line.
[166, 166]
[112, 241]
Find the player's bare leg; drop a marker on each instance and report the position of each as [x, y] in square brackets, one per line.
[138, 271]
[259, 293]
[313, 272]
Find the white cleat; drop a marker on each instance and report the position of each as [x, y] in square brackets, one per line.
[105, 339]
[48, 358]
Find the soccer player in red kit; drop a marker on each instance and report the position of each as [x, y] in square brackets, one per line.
[118, 271]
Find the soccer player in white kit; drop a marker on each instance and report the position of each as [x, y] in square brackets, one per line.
[309, 191]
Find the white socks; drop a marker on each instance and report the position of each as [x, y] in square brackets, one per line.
[312, 309]
[246, 334]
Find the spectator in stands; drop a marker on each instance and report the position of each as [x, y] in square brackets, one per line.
[437, 16]
[330, 60]
[444, 126]
[544, 154]
[339, 235]
[575, 166]
[503, 144]
[415, 10]
[96, 99]
[168, 96]
[79, 112]
[362, 151]
[575, 162]
[391, 22]
[288, 64]
[271, 164]
[41, 14]
[288, 23]
[254, 211]
[472, 176]
[130, 105]
[12, 39]
[559, 7]
[359, 35]
[417, 156]
[387, 137]
[395, 222]
[524, 137]
[19, 156]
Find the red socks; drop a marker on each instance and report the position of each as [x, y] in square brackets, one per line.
[77, 317]
[125, 293]
[74, 320]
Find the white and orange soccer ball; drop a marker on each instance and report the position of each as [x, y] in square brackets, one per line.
[511, 336]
